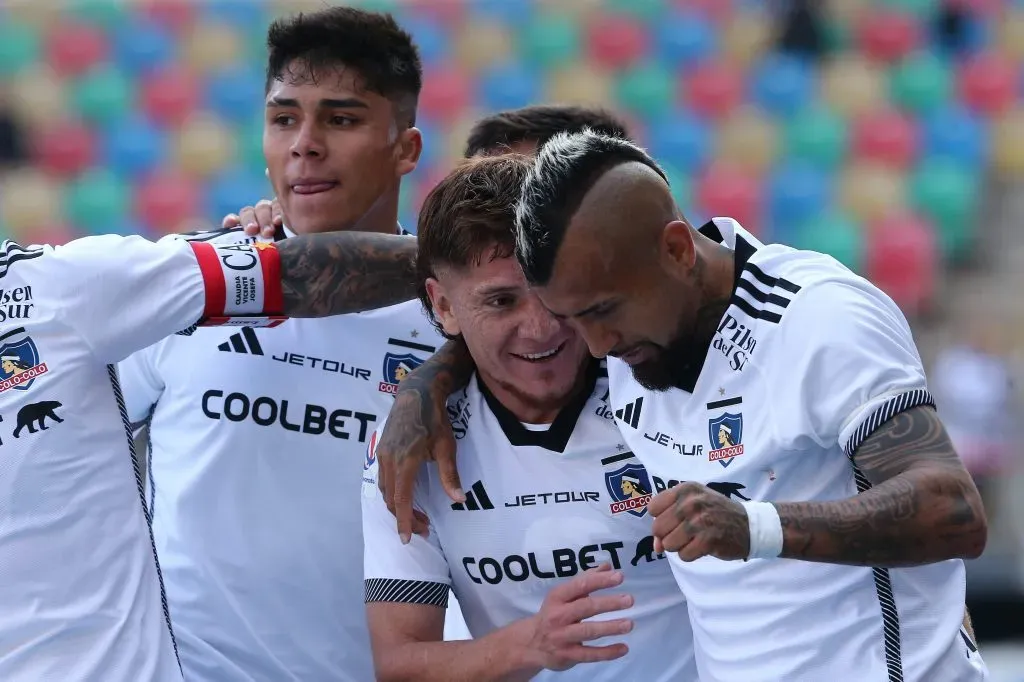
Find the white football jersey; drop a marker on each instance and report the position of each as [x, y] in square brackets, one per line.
[256, 446]
[542, 505]
[80, 592]
[809, 359]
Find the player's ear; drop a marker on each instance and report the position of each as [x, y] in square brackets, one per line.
[442, 305]
[408, 148]
[677, 247]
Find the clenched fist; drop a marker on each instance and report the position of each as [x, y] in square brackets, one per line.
[696, 521]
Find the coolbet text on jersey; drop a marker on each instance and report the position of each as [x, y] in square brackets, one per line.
[257, 440]
[543, 503]
[81, 598]
[808, 360]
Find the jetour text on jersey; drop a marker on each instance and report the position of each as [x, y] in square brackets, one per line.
[311, 419]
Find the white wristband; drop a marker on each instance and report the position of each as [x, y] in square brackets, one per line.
[765, 530]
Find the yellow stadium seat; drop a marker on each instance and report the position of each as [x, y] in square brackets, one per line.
[481, 44]
[29, 201]
[851, 85]
[746, 37]
[748, 139]
[38, 97]
[1008, 144]
[204, 145]
[871, 191]
[210, 46]
[579, 83]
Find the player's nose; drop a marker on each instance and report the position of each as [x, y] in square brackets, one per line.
[307, 141]
[537, 323]
[599, 338]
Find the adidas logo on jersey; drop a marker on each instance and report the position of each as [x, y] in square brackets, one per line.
[244, 341]
[631, 413]
[476, 499]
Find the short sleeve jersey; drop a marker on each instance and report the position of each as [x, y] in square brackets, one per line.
[80, 590]
[542, 505]
[256, 445]
[807, 362]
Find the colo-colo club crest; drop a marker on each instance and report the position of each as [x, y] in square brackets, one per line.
[628, 485]
[19, 361]
[726, 433]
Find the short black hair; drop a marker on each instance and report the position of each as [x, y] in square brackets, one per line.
[468, 217]
[564, 170]
[307, 46]
[539, 123]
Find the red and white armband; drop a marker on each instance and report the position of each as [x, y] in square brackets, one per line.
[243, 284]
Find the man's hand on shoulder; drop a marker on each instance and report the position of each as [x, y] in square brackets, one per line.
[263, 219]
[418, 430]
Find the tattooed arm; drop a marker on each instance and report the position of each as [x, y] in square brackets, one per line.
[346, 272]
[418, 430]
[922, 507]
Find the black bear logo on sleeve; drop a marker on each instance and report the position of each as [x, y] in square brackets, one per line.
[36, 414]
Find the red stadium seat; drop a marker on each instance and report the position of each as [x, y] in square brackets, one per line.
[54, 235]
[616, 41]
[444, 11]
[177, 14]
[73, 49]
[65, 149]
[727, 191]
[712, 89]
[447, 91]
[164, 200]
[888, 36]
[988, 83]
[902, 258]
[170, 96]
[887, 137]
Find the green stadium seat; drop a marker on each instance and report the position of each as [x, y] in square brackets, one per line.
[104, 94]
[96, 200]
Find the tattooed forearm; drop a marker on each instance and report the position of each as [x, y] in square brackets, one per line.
[346, 272]
[446, 371]
[922, 507]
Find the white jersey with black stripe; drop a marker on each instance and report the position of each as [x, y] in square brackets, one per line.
[81, 598]
[543, 503]
[807, 361]
[256, 444]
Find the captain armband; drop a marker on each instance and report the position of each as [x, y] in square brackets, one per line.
[243, 284]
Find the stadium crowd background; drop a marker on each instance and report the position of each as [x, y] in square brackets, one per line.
[888, 133]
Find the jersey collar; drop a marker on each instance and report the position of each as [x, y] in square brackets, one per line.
[556, 437]
[728, 233]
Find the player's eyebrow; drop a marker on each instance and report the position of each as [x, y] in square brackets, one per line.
[493, 290]
[328, 103]
[589, 310]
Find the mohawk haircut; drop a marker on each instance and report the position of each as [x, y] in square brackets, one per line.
[308, 47]
[562, 173]
[540, 123]
[468, 217]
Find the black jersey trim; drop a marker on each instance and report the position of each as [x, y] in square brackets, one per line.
[899, 403]
[743, 250]
[115, 385]
[405, 591]
[556, 437]
[886, 604]
[883, 581]
[6, 261]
